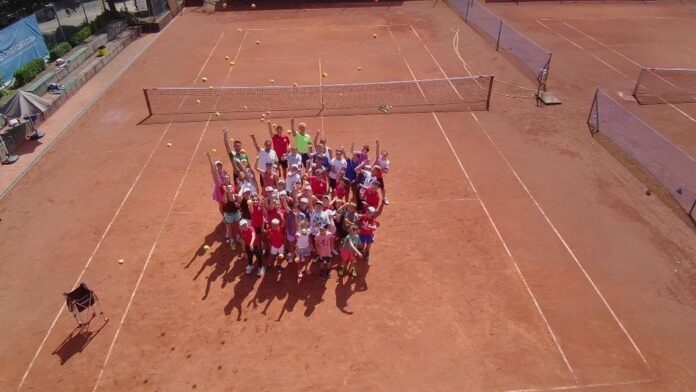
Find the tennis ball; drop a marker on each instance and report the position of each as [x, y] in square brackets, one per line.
[245, 107]
[231, 62]
[217, 113]
[227, 57]
[206, 247]
[253, 6]
[120, 261]
[169, 144]
[324, 75]
[294, 85]
[262, 120]
[359, 68]
[374, 35]
[213, 150]
[258, 42]
[198, 101]
[272, 81]
[239, 29]
[210, 87]
[204, 79]
[268, 113]
[263, 115]
[340, 94]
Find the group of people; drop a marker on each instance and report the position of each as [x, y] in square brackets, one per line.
[299, 201]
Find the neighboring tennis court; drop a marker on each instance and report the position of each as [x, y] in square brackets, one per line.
[516, 254]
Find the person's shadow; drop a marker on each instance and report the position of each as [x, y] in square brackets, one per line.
[241, 290]
[344, 290]
[76, 342]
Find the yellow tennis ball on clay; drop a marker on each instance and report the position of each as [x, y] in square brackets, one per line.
[258, 42]
[239, 29]
[206, 247]
[324, 75]
[213, 150]
[294, 85]
[245, 107]
[217, 114]
[210, 87]
[227, 57]
[359, 68]
[169, 144]
[253, 6]
[374, 35]
[198, 101]
[263, 115]
[120, 261]
[231, 62]
[262, 119]
[272, 81]
[204, 79]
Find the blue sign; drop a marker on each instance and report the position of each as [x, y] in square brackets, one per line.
[20, 42]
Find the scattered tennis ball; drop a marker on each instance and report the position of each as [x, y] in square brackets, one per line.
[204, 79]
[245, 107]
[258, 42]
[262, 119]
[263, 115]
[198, 101]
[374, 35]
[340, 94]
[210, 87]
[239, 29]
[227, 57]
[294, 85]
[120, 261]
[272, 81]
[169, 144]
[268, 113]
[232, 62]
[253, 6]
[213, 150]
[324, 75]
[206, 247]
[217, 114]
[359, 68]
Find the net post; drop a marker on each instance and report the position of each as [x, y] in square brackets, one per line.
[490, 91]
[635, 88]
[593, 108]
[500, 29]
[147, 101]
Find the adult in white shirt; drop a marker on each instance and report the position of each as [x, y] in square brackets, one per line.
[266, 155]
[294, 177]
[337, 164]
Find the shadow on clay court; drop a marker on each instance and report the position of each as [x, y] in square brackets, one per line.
[347, 286]
[74, 343]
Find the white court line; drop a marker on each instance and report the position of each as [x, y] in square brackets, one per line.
[565, 244]
[584, 50]
[347, 27]
[584, 386]
[322, 94]
[633, 62]
[164, 223]
[99, 243]
[563, 241]
[436, 62]
[398, 48]
[497, 232]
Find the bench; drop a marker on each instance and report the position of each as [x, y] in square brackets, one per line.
[39, 83]
[73, 56]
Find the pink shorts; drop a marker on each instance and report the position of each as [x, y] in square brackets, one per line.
[346, 255]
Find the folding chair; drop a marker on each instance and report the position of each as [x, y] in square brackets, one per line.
[80, 299]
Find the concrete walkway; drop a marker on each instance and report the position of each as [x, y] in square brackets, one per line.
[61, 121]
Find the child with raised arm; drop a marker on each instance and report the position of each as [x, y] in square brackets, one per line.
[220, 179]
[382, 163]
[323, 243]
[281, 145]
[252, 247]
[301, 139]
[266, 156]
[349, 249]
[236, 155]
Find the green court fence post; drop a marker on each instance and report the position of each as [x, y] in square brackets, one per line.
[500, 29]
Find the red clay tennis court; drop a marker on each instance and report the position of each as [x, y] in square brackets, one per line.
[517, 252]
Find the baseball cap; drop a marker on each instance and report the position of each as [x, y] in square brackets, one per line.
[275, 222]
[371, 210]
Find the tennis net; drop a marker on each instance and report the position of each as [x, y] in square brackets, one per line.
[665, 85]
[412, 96]
[669, 164]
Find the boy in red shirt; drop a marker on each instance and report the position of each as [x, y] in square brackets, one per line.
[252, 246]
[276, 240]
[318, 183]
[368, 225]
[281, 143]
[370, 196]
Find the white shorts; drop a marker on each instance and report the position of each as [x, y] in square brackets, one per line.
[277, 251]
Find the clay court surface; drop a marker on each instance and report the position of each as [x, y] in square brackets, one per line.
[517, 253]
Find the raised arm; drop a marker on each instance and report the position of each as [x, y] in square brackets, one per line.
[376, 150]
[213, 170]
[227, 141]
[292, 127]
[270, 129]
[256, 144]
[352, 149]
[316, 137]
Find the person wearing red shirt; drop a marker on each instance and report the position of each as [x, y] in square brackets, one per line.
[368, 224]
[281, 144]
[276, 240]
[318, 183]
[252, 247]
[258, 215]
[370, 195]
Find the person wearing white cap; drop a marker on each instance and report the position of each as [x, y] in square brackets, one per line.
[294, 177]
[368, 225]
[276, 240]
[220, 180]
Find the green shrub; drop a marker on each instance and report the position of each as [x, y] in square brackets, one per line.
[80, 36]
[103, 19]
[59, 50]
[28, 71]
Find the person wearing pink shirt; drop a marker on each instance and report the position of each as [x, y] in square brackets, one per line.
[323, 244]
